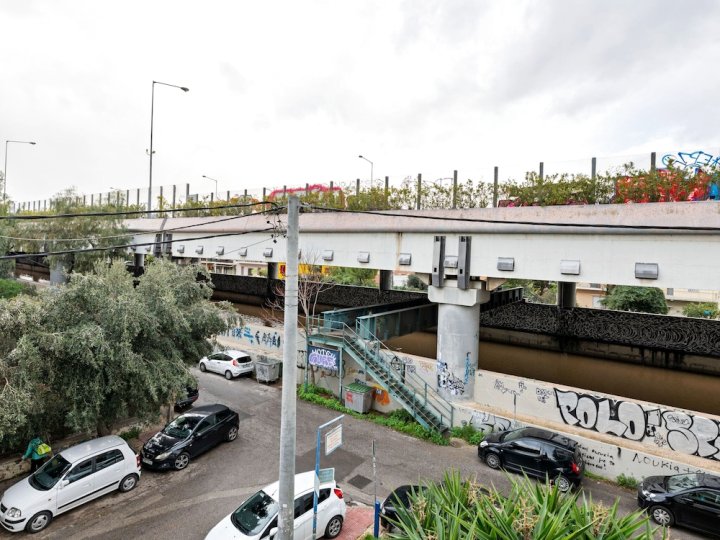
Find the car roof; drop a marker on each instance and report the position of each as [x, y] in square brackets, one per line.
[711, 481]
[549, 436]
[235, 352]
[93, 446]
[303, 482]
[206, 410]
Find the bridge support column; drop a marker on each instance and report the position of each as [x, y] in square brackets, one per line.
[58, 273]
[458, 332]
[273, 272]
[566, 295]
[386, 280]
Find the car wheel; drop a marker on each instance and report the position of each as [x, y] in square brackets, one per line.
[182, 461]
[128, 483]
[334, 527]
[228, 375]
[562, 483]
[493, 460]
[38, 522]
[662, 516]
[232, 434]
[202, 367]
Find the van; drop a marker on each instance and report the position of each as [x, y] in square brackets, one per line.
[69, 479]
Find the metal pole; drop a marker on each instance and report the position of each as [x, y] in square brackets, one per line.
[5, 172]
[286, 491]
[542, 170]
[652, 161]
[454, 195]
[495, 188]
[593, 175]
[376, 503]
[357, 187]
[419, 188]
[317, 472]
[387, 188]
[152, 119]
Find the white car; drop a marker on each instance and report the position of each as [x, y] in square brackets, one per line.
[73, 477]
[230, 363]
[257, 517]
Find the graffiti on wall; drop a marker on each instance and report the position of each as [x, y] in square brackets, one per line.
[447, 380]
[488, 422]
[266, 339]
[691, 161]
[680, 431]
[500, 387]
[381, 396]
[469, 369]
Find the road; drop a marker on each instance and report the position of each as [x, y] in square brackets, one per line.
[187, 504]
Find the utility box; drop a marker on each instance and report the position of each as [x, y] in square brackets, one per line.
[358, 397]
[267, 369]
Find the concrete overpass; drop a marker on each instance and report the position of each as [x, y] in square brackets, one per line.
[467, 253]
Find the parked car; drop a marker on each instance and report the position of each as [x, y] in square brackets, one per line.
[69, 479]
[257, 517]
[189, 435]
[535, 452]
[231, 363]
[399, 497]
[690, 500]
[187, 399]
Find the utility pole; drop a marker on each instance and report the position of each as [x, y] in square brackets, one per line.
[286, 525]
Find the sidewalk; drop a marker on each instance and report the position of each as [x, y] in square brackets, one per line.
[357, 521]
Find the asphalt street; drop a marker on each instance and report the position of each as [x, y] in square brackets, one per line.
[187, 504]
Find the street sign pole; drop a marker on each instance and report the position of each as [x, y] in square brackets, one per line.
[317, 469]
[376, 503]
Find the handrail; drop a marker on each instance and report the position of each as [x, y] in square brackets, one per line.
[423, 395]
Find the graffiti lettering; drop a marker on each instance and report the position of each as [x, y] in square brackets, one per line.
[686, 433]
[469, 369]
[500, 387]
[691, 160]
[543, 394]
[448, 381]
[487, 422]
[267, 339]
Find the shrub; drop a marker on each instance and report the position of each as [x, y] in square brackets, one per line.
[468, 434]
[132, 433]
[627, 481]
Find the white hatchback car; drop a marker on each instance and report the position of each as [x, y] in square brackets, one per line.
[257, 517]
[230, 363]
[71, 478]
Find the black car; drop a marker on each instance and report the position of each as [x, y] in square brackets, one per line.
[691, 500]
[186, 400]
[399, 497]
[535, 452]
[189, 435]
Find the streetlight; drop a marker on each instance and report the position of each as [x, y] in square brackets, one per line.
[152, 108]
[371, 169]
[216, 193]
[5, 169]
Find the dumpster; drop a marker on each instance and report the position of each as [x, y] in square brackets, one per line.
[358, 397]
[267, 369]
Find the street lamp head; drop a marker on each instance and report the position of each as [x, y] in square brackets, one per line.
[32, 142]
[361, 157]
[184, 89]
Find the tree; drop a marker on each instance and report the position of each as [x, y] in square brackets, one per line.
[103, 347]
[640, 299]
[414, 282]
[706, 310]
[361, 277]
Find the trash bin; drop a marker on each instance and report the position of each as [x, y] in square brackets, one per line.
[267, 369]
[358, 397]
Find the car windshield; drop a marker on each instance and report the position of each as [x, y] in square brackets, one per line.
[182, 426]
[679, 482]
[512, 435]
[49, 474]
[255, 513]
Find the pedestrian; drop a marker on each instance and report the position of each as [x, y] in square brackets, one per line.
[37, 452]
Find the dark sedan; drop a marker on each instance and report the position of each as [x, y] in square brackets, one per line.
[690, 500]
[189, 435]
[535, 452]
[399, 497]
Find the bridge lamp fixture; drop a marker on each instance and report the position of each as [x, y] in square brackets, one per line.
[5, 169]
[216, 184]
[371, 168]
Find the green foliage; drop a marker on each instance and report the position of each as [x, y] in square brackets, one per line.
[705, 310]
[132, 433]
[538, 292]
[469, 434]
[458, 509]
[627, 482]
[105, 346]
[639, 299]
[10, 288]
[361, 277]
[398, 420]
[415, 283]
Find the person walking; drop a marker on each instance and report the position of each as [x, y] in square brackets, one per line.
[38, 452]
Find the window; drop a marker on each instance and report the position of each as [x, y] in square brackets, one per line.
[108, 459]
[80, 471]
[707, 498]
[223, 415]
[303, 504]
[323, 495]
[207, 424]
[670, 291]
[528, 446]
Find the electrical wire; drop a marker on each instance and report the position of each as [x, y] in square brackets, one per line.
[516, 222]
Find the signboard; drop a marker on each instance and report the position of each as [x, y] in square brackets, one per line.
[333, 440]
[326, 475]
[324, 358]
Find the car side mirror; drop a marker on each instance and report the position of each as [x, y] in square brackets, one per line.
[64, 483]
[273, 532]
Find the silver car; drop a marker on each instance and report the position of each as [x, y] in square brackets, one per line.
[230, 363]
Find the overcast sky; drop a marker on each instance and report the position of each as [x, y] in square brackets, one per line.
[289, 92]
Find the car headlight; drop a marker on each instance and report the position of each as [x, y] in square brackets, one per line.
[483, 444]
[14, 513]
[163, 456]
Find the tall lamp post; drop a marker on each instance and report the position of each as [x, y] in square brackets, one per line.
[152, 109]
[5, 169]
[371, 169]
[216, 193]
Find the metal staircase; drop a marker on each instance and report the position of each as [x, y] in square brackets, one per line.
[405, 386]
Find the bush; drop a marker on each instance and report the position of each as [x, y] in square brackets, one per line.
[9, 288]
[627, 481]
[132, 433]
[399, 420]
[458, 509]
[468, 434]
